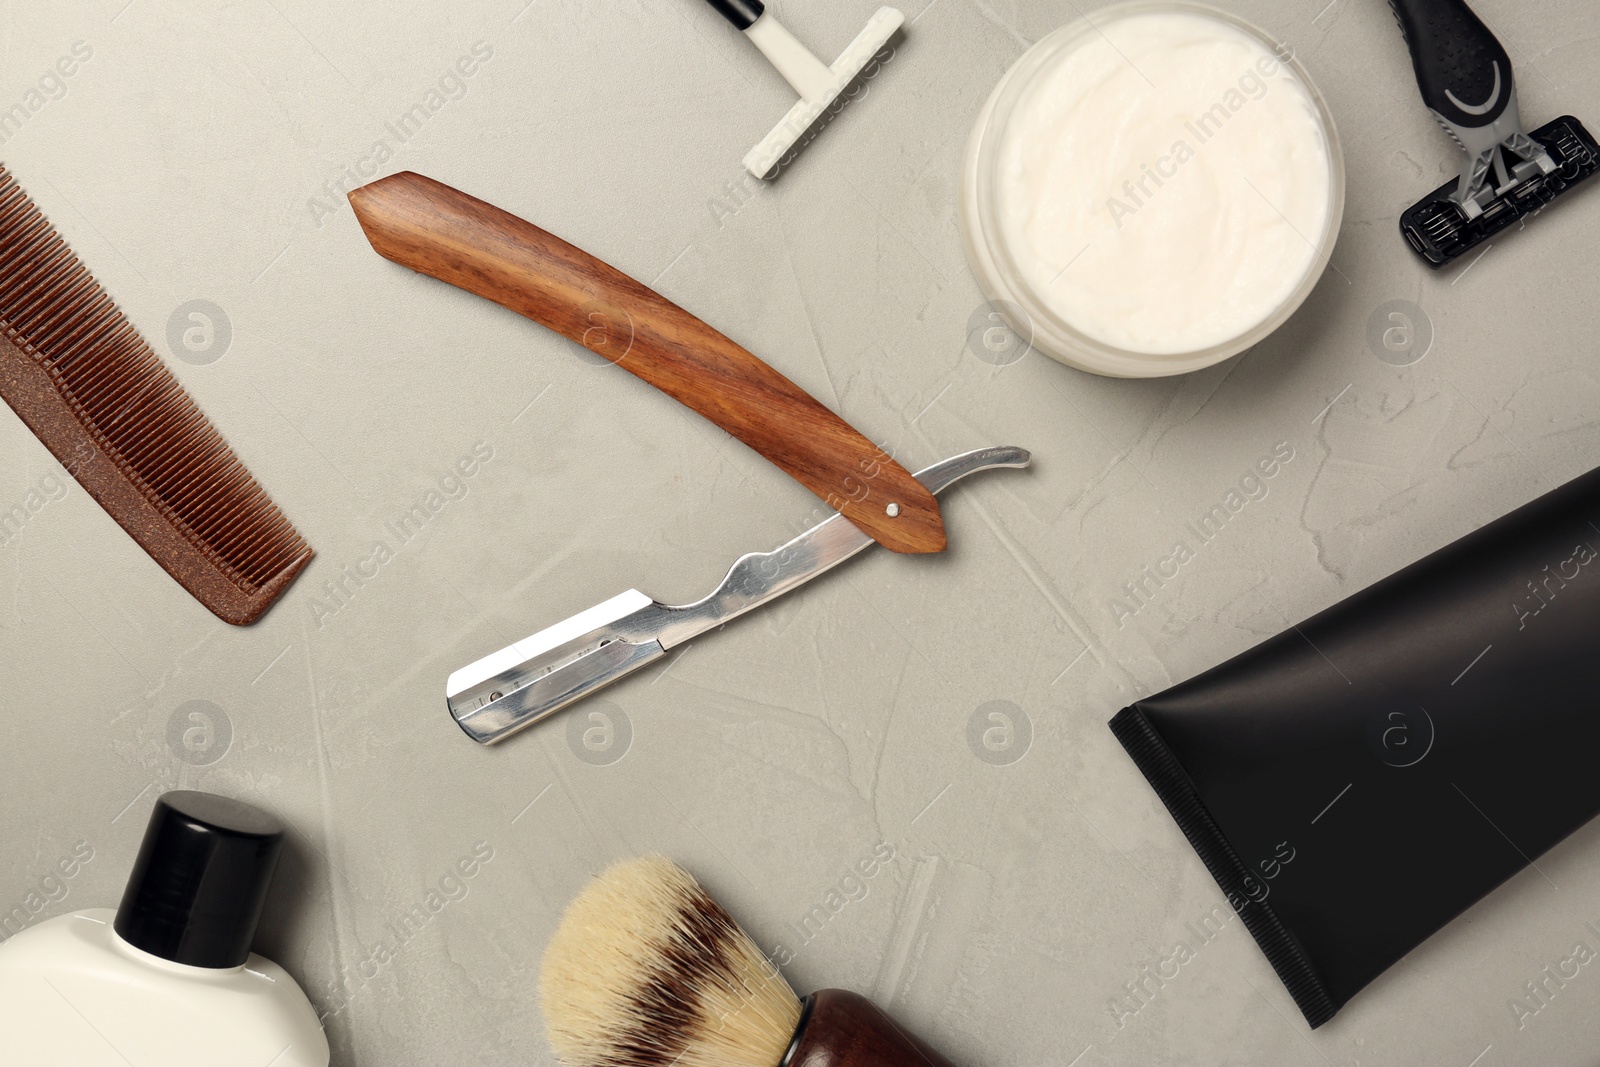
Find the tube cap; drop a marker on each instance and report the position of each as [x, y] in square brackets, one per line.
[200, 882]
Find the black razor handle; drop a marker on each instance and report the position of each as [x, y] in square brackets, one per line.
[1462, 69]
[742, 13]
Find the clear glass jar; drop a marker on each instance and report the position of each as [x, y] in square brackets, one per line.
[994, 261]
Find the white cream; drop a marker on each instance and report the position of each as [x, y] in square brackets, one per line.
[1164, 184]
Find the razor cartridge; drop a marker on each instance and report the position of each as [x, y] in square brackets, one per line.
[1506, 174]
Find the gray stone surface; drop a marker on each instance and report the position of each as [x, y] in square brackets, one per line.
[199, 154]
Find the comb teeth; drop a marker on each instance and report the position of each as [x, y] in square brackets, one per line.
[130, 410]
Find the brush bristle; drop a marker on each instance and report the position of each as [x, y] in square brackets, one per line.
[118, 400]
[647, 970]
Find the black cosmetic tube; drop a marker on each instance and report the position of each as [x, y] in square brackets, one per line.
[1359, 780]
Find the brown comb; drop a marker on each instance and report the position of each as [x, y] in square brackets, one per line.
[101, 400]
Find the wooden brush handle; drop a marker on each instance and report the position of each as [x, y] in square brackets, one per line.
[440, 231]
[844, 1029]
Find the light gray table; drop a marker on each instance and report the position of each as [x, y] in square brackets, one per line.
[200, 153]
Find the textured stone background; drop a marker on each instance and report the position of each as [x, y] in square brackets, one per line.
[198, 155]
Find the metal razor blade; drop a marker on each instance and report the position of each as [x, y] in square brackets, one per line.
[558, 666]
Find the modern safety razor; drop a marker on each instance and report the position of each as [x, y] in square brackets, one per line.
[1506, 173]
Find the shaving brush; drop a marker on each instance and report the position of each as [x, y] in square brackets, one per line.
[647, 970]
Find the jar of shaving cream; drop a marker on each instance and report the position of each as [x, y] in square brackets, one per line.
[1152, 189]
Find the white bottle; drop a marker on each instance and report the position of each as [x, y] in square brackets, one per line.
[168, 979]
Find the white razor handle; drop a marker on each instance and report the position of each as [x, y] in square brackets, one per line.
[818, 84]
[556, 667]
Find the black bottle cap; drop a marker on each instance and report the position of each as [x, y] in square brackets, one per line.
[199, 884]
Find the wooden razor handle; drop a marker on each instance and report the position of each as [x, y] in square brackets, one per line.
[436, 230]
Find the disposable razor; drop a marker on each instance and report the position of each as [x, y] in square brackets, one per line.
[558, 666]
[1506, 173]
[818, 84]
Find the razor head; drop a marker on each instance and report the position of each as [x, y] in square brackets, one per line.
[762, 160]
[538, 676]
[535, 678]
[1442, 227]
